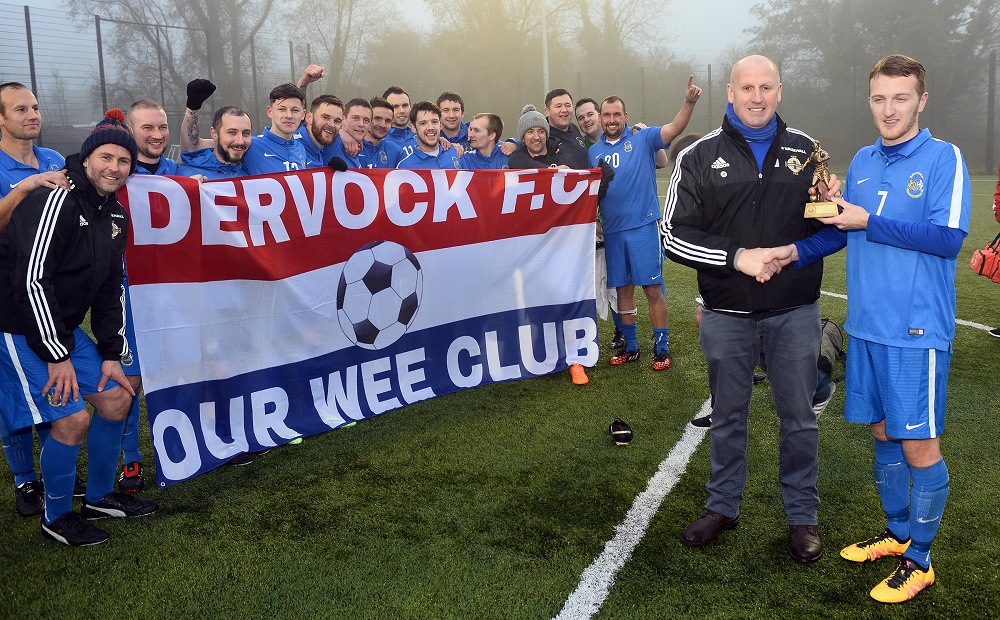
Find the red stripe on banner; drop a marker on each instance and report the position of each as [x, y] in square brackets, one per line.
[271, 227]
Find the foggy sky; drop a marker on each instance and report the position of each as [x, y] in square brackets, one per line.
[700, 29]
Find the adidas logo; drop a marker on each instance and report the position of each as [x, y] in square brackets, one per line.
[84, 222]
[719, 164]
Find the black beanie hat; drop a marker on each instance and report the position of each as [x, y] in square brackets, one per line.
[111, 130]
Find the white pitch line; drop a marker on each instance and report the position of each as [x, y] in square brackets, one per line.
[985, 328]
[837, 295]
[596, 580]
[980, 326]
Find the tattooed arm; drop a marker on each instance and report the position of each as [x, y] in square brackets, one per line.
[191, 139]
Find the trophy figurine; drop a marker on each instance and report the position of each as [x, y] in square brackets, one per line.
[815, 208]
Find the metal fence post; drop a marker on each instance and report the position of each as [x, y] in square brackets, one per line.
[159, 65]
[100, 65]
[709, 85]
[31, 58]
[991, 113]
[642, 93]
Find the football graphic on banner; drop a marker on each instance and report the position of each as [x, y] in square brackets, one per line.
[379, 294]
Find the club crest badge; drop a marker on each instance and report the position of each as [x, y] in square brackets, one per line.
[628, 147]
[915, 187]
[794, 165]
[382, 157]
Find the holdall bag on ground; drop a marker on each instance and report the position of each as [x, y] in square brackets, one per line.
[986, 262]
[831, 346]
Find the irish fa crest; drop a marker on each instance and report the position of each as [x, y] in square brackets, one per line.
[794, 165]
[114, 230]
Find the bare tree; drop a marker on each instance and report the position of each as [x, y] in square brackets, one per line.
[159, 45]
[336, 30]
[825, 48]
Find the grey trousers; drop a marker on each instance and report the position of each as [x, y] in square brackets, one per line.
[732, 345]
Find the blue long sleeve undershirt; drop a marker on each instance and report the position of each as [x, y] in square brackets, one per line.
[924, 237]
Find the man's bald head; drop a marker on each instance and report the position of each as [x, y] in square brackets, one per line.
[754, 59]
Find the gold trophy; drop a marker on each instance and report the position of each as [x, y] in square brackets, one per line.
[815, 208]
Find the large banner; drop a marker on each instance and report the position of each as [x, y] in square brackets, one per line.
[273, 307]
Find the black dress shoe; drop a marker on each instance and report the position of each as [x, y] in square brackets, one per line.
[804, 544]
[703, 421]
[707, 528]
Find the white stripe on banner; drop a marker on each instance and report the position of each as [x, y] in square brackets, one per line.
[193, 332]
[596, 581]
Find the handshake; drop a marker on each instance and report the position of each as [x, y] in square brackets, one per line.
[765, 263]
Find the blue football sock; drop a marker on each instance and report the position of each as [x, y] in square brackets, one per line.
[929, 494]
[17, 447]
[130, 438]
[617, 320]
[59, 470]
[631, 337]
[662, 337]
[104, 444]
[43, 431]
[892, 478]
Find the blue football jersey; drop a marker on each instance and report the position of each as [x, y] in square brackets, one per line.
[897, 296]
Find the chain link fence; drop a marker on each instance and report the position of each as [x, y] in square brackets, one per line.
[79, 65]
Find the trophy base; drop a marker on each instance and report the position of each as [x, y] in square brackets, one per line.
[822, 209]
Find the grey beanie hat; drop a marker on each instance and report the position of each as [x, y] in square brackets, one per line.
[530, 117]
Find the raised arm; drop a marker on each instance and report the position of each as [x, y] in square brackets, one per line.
[674, 128]
[197, 92]
[311, 74]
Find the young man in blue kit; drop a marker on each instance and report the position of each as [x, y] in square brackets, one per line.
[905, 213]
[630, 215]
[320, 130]
[231, 133]
[400, 133]
[24, 167]
[378, 151]
[148, 121]
[425, 117]
[454, 129]
[357, 118]
[484, 153]
[276, 149]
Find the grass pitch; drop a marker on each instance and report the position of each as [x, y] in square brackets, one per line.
[490, 503]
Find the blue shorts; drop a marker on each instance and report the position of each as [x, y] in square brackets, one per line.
[905, 387]
[634, 256]
[23, 375]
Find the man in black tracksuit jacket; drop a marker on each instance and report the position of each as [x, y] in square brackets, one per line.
[62, 256]
[737, 191]
[83, 267]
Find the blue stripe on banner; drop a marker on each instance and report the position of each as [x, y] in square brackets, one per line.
[197, 427]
